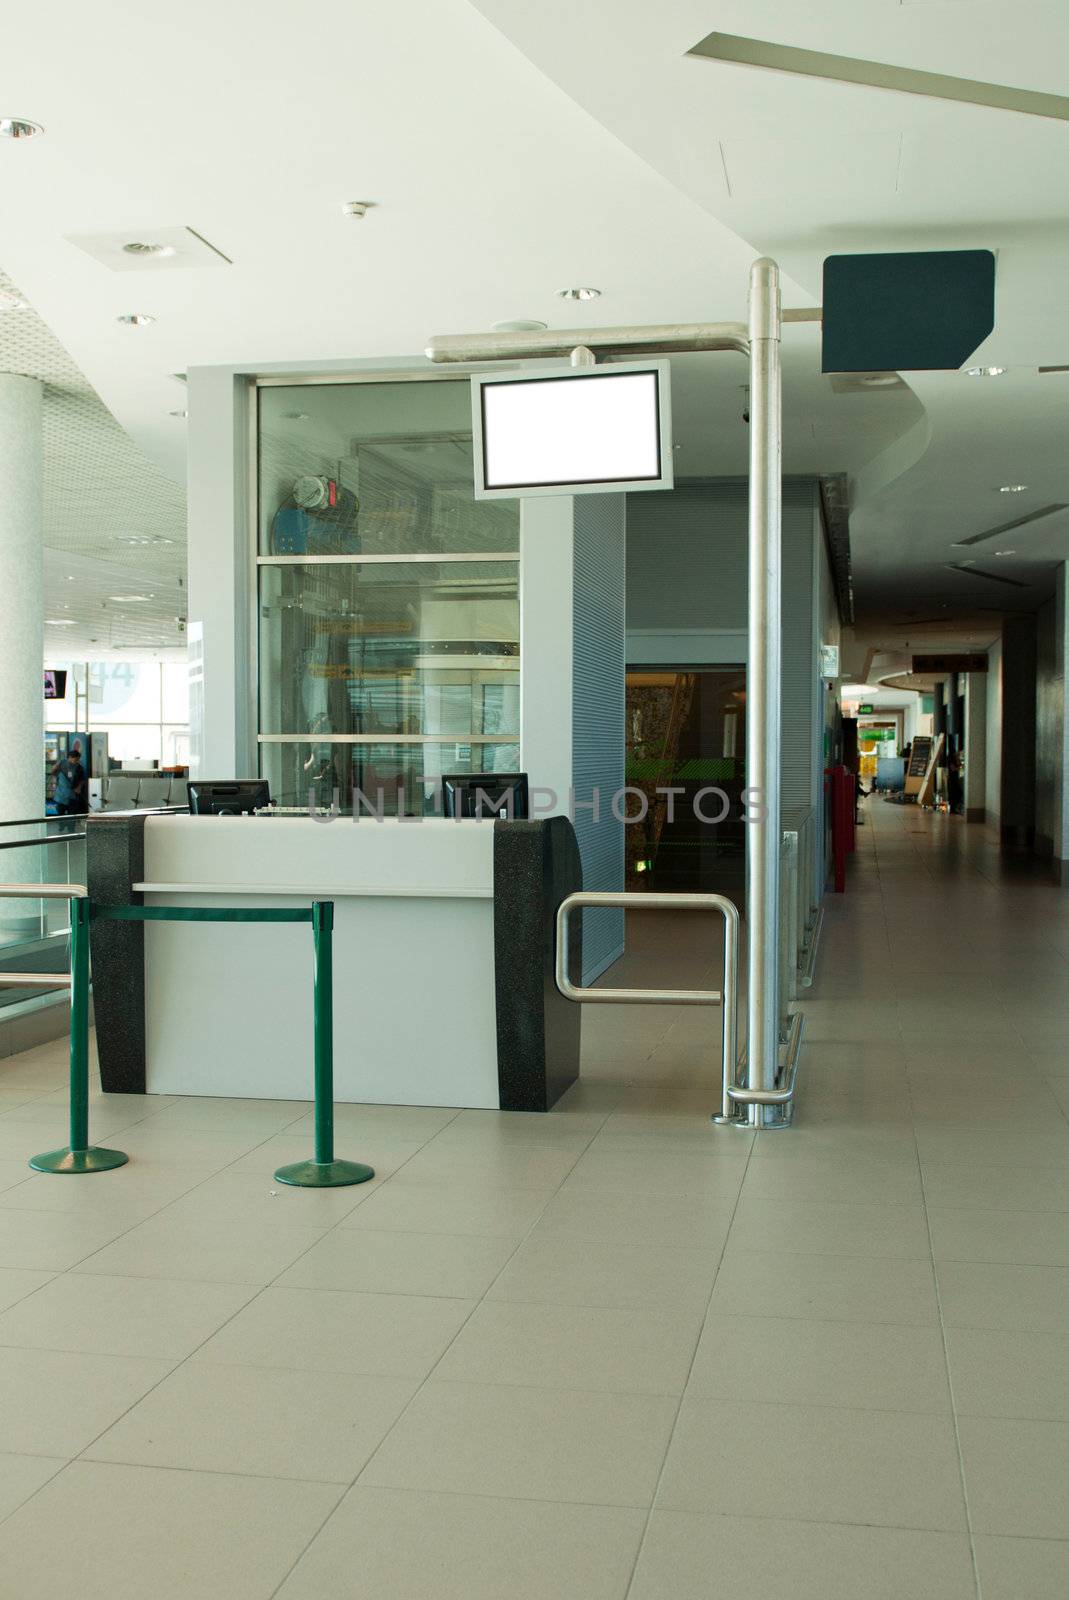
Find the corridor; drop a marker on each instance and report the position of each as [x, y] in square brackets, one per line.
[610, 1352]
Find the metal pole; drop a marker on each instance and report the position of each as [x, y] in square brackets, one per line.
[323, 1012]
[323, 1172]
[729, 1021]
[79, 1156]
[79, 1093]
[763, 681]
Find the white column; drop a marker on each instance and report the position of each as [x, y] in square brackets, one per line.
[21, 600]
[22, 617]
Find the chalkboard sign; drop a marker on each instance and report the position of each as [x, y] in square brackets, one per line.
[920, 755]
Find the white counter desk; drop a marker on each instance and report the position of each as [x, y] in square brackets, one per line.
[442, 992]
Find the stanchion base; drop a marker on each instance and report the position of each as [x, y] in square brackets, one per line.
[95, 1159]
[324, 1174]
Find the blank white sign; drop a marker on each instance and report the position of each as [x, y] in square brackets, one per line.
[581, 429]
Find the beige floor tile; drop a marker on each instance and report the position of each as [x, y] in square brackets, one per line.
[1000, 1186]
[1015, 1476]
[186, 1147]
[422, 1546]
[324, 1330]
[510, 1165]
[881, 1365]
[21, 1477]
[388, 1124]
[207, 1113]
[451, 1208]
[1021, 1145]
[132, 1193]
[256, 1198]
[828, 1464]
[560, 1269]
[998, 1374]
[447, 1264]
[839, 1289]
[574, 1347]
[386, 1156]
[316, 1426]
[814, 1228]
[683, 1221]
[51, 1241]
[1036, 1238]
[1022, 1569]
[18, 1282]
[718, 1171]
[529, 1444]
[147, 1317]
[209, 1250]
[993, 1295]
[56, 1402]
[839, 1179]
[103, 1532]
[772, 1560]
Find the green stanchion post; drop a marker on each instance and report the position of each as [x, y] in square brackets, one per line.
[323, 1172]
[79, 1155]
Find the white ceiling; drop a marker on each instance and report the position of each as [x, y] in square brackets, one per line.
[114, 523]
[512, 149]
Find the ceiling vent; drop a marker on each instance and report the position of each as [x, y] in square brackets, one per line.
[732, 48]
[866, 382]
[150, 249]
[1008, 527]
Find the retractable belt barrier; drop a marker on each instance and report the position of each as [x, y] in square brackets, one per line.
[323, 1171]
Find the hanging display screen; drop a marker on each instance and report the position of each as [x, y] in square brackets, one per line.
[585, 430]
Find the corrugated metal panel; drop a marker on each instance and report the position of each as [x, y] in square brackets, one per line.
[598, 711]
[799, 705]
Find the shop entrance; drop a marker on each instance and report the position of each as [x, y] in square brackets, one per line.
[686, 731]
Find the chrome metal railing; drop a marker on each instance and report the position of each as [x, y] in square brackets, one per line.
[736, 1097]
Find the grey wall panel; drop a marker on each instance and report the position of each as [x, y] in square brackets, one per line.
[687, 569]
[598, 664]
[686, 557]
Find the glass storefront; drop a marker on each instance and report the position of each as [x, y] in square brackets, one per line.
[388, 632]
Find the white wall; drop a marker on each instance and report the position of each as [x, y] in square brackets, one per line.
[993, 751]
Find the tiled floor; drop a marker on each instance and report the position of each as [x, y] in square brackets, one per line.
[608, 1352]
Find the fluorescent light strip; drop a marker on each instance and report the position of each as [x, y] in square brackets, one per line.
[731, 47]
[1008, 527]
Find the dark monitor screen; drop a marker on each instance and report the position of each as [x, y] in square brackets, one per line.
[232, 797]
[485, 794]
[55, 683]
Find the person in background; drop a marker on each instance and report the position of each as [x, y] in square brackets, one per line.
[72, 784]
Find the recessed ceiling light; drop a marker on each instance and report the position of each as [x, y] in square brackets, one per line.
[578, 294]
[881, 380]
[518, 325]
[12, 302]
[984, 372]
[1005, 552]
[138, 247]
[356, 208]
[135, 319]
[178, 413]
[19, 128]
[296, 416]
[130, 599]
[59, 622]
[1012, 488]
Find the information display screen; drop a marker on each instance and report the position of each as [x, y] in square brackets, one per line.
[581, 431]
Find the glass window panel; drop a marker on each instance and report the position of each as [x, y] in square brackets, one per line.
[405, 648]
[373, 469]
[393, 779]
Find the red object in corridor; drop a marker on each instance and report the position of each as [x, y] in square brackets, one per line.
[842, 796]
